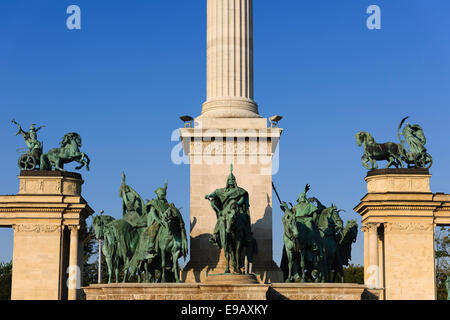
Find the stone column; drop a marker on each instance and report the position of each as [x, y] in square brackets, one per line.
[74, 268]
[373, 270]
[230, 60]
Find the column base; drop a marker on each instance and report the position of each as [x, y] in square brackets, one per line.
[230, 108]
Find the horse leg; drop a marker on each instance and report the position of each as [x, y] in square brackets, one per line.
[109, 264]
[302, 266]
[125, 269]
[290, 264]
[227, 257]
[163, 265]
[365, 161]
[175, 268]
[237, 257]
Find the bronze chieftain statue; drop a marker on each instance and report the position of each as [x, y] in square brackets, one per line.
[232, 232]
[396, 153]
[316, 245]
[150, 238]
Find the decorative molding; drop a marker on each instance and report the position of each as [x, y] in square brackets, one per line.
[408, 226]
[370, 227]
[6, 210]
[401, 208]
[37, 228]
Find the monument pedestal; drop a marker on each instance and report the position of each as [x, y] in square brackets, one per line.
[226, 291]
[399, 216]
[48, 217]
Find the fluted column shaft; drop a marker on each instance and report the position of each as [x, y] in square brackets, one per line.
[230, 60]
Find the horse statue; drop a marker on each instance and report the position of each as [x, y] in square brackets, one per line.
[373, 152]
[235, 238]
[119, 243]
[303, 250]
[232, 231]
[68, 152]
[172, 243]
[330, 228]
[292, 247]
[344, 249]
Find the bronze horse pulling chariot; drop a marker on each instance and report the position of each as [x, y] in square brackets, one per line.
[396, 153]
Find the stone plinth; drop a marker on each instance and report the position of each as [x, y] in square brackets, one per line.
[48, 217]
[316, 291]
[399, 215]
[212, 146]
[231, 279]
[201, 291]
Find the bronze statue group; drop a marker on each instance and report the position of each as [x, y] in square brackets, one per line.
[316, 243]
[150, 238]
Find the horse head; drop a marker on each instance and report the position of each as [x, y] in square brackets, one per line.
[70, 138]
[99, 223]
[350, 231]
[361, 138]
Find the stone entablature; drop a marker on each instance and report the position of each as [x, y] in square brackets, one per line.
[399, 215]
[46, 216]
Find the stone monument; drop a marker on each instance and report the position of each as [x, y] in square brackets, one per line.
[399, 216]
[230, 131]
[48, 217]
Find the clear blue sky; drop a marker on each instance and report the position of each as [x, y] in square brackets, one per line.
[136, 66]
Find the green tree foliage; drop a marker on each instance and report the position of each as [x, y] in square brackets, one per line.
[442, 254]
[354, 274]
[5, 280]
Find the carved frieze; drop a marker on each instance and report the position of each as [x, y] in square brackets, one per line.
[408, 226]
[37, 228]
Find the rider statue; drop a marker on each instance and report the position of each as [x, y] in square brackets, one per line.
[132, 205]
[307, 213]
[156, 212]
[233, 198]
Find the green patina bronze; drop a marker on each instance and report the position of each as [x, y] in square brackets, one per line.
[149, 239]
[316, 245]
[30, 160]
[232, 232]
[55, 159]
[396, 154]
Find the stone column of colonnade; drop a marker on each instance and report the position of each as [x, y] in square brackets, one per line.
[372, 262]
[230, 60]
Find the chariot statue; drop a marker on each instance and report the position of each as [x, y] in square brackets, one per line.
[56, 158]
[30, 160]
[396, 154]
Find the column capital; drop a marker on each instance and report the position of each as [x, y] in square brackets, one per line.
[74, 227]
[370, 227]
